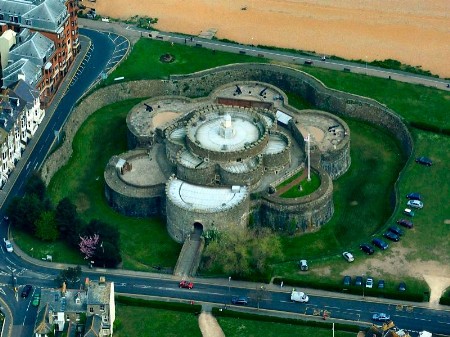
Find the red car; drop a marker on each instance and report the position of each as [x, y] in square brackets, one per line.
[405, 223]
[186, 284]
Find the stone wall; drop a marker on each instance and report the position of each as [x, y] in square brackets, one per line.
[306, 213]
[277, 161]
[129, 199]
[180, 221]
[248, 178]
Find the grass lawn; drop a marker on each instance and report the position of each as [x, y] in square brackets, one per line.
[307, 187]
[289, 180]
[144, 61]
[144, 321]
[241, 327]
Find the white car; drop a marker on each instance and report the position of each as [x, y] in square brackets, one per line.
[8, 246]
[348, 256]
[415, 203]
[369, 282]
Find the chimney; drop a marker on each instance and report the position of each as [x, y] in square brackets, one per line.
[63, 290]
[102, 281]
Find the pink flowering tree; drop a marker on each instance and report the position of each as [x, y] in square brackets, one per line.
[88, 245]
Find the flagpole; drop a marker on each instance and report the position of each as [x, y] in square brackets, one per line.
[309, 157]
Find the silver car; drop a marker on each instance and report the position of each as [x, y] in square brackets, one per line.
[415, 203]
[381, 317]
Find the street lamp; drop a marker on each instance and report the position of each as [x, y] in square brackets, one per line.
[229, 284]
[363, 285]
[366, 65]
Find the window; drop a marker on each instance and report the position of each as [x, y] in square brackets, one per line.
[91, 309]
[102, 307]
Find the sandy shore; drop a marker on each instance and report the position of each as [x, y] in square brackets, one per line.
[415, 32]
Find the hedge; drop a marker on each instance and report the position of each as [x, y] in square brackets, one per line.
[139, 302]
[275, 319]
[374, 292]
[445, 299]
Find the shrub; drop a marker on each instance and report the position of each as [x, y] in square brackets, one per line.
[138, 302]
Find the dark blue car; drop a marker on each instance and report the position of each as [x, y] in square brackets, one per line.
[380, 244]
[414, 196]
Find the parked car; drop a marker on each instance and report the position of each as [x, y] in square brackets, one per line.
[380, 284]
[26, 290]
[358, 281]
[380, 243]
[415, 203]
[239, 300]
[381, 317]
[408, 212]
[36, 299]
[303, 264]
[402, 286]
[347, 280]
[424, 161]
[391, 236]
[396, 230]
[369, 282]
[186, 284]
[405, 223]
[348, 256]
[8, 245]
[414, 196]
[368, 249]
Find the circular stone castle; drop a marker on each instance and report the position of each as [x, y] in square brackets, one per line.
[210, 163]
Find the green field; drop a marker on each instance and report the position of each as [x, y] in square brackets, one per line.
[144, 321]
[233, 327]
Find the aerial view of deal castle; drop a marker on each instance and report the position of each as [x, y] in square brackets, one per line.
[224, 168]
[206, 163]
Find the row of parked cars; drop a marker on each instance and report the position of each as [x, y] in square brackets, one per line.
[369, 283]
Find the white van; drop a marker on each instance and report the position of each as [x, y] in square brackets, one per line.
[298, 296]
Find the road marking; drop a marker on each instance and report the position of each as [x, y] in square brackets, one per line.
[2, 291]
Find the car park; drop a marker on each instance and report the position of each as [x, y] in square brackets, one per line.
[347, 280]
[391, 236]
[8, 246]
[396, 230]
[381, 317]
[303, 264]
[414, 196]
[380, 243]
[415, 203]
[402, 286]
[186, 284]
[36, 299]
[424, 161]
[26, 290]
[358, 281]
[368, 249]
[369, 282]
[381, 284]
[405, 223]
[408, 212]
[348, 256]
[239, 300]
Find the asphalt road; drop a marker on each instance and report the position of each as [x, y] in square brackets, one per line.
[104, 51]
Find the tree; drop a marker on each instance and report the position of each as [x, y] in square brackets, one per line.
[36, 186]
[46, 227]
[107, 255]
[70, 276]
[68, 222]
[23, 213]
[242, 252]
[88, 245]
[107, 232]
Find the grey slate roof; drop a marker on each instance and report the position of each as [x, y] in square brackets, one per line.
[93, 326]
[8, 114]
[98, 293]
[35, 47]
[30, 70]
[64, 304]
[24, 93]
[44, 15]
[42, 325]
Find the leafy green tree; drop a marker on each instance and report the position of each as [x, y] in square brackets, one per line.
[71, 276]
[23, 213]
[35, 185]
[107, 255]
[46, 227]
[243, 252]
[68, 222]
[107, 232]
